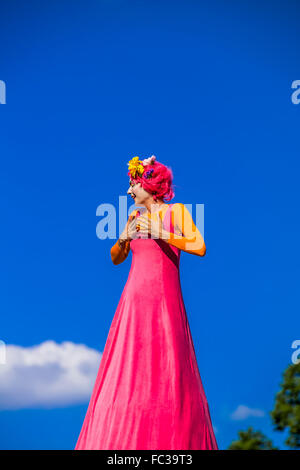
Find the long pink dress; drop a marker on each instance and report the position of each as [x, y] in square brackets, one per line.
[148, 393]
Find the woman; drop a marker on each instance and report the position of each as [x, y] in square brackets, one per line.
[148, 393]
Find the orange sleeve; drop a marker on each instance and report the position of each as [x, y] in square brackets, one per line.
[118, 254]
[187, 236]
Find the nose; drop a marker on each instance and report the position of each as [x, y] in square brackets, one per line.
[129, 190]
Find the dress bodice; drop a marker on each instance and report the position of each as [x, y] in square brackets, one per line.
[156, 250]
[183, 236]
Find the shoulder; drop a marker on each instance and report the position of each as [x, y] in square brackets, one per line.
[180, 211]
[178, 207]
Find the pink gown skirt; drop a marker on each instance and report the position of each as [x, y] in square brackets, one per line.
[148, 394]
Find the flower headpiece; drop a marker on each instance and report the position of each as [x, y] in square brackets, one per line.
[136, 167]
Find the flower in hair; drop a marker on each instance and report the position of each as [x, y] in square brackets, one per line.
[149, 161]
[135, 166]
[148, 173]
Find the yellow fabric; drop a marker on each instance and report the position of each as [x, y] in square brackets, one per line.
[187, 236]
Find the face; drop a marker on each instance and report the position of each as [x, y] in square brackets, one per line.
[138, 193]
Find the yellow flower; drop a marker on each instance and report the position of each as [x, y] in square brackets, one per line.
[140, 169]
[135, 166]
[133, 161]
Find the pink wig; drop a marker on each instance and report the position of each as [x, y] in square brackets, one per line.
[160, 184]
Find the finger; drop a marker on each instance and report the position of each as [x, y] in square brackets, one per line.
[143, 224]
[133, 226]
[131, 218]
[144, 227]
[132, 223]
[143, 218]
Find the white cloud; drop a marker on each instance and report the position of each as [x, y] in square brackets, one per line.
[244, 412]
[47, 375]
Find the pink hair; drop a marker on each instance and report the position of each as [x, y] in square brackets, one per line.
[160, 185]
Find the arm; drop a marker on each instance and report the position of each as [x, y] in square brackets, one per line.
[120, 250]
[187, 236]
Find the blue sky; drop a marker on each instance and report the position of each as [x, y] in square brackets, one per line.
[207, 89]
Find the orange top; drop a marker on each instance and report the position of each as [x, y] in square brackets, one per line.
[186, 237]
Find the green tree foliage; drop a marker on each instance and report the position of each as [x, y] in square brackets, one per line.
[252, 440]
[286, 413]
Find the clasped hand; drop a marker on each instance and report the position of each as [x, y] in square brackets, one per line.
[146, 226]
[142, 226]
